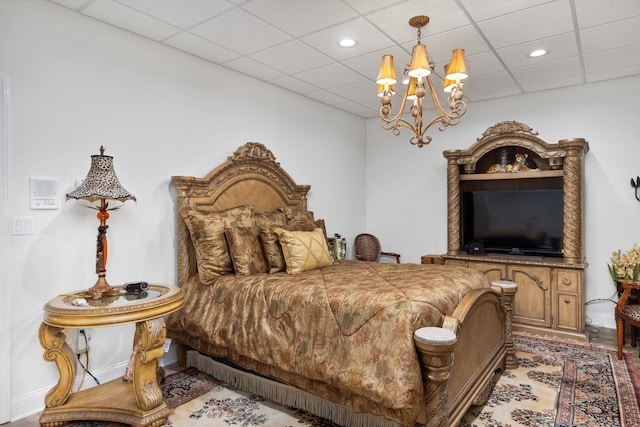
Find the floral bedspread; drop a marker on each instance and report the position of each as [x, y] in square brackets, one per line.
[343, 332]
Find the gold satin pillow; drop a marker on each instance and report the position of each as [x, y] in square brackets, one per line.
[245, 250]
[272, 250]
[304, 250]
[207, 234]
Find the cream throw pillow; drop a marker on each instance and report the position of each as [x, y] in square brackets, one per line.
[304, 250]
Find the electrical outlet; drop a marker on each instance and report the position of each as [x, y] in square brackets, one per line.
[83, 339]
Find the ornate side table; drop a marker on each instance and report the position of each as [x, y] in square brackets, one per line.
[138, 402]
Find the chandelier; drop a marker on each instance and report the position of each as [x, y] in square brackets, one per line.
[419, 85]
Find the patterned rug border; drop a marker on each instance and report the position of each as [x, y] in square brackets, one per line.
[624, 374]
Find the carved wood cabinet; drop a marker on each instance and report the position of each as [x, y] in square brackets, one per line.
[550, 288]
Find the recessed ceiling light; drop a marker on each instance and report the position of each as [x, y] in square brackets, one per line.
[347, 42]
[537, 52]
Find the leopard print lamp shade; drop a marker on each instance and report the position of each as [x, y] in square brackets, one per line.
[101, 182]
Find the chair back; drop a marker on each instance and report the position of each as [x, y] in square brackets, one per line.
[367, 247]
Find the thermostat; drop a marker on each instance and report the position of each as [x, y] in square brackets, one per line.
[43, 193]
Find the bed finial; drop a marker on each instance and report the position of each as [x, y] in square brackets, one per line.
[254, 150]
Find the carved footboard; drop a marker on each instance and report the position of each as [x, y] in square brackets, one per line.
[459, 360]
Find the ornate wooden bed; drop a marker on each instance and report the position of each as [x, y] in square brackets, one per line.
[444, 329]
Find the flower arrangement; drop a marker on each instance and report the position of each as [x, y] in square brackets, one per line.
[625, 265]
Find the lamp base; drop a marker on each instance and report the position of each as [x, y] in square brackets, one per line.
[101, 288]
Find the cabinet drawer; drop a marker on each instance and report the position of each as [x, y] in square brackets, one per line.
[568, 315]
[567, 280]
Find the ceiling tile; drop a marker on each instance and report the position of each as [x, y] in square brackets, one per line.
[549, 19]
[366, 6]
[613, 73]
[597, 12]
[239, 31]
[174, 11]
[608, 36]
[253, 68]
[357, 109]
[487, 9]
[440, 46]
[292, 57]
[368, 37]
[298, 17]
[628, 56]
[482, 63]
[548, 71]
[563, 81]
[330, 76]
[557, 47]
[294, 85]
[129, 19]
[326, 97]
[490, 86]
[201, 47]
[363, 93]
[71, 4]
[394, 20]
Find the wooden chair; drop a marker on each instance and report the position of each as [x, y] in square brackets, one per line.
[367, 248]
[629, 313]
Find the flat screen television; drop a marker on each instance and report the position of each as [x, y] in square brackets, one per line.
[516, 222]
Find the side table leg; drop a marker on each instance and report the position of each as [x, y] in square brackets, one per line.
[148, 348]
[53, 340]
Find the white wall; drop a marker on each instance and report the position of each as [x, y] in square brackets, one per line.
[77, 84]
[406, 186]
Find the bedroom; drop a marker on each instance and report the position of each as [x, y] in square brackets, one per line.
[162, 114]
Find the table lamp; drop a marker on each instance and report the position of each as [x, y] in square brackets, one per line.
[101, 184]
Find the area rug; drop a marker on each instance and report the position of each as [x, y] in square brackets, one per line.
[558, 383]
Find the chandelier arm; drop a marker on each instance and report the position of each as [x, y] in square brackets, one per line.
[458, 109]
[397, 117]
[394, 124]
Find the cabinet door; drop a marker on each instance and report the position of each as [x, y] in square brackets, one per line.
[568, 301]
[492, 270]
[533, 299]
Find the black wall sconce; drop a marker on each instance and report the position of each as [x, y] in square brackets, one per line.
[635, 184]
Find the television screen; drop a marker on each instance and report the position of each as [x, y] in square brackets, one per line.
[519, 222]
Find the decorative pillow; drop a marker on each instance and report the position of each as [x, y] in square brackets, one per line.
[302, 220]
[272, 250]
[319, 223]
[245, 250]
[207, 234]
[269, 219]
[304, 250]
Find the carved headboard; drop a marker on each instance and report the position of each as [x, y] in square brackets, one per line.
[251, 176]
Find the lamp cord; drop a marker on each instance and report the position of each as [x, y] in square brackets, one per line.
[85, 369]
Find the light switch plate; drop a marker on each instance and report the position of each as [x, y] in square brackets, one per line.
[22, 225]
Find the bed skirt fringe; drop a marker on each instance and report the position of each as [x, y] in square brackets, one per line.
[284, 394]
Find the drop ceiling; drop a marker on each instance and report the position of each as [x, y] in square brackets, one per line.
[293, 44]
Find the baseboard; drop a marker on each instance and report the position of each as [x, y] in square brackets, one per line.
[32, 403]
[552, 333]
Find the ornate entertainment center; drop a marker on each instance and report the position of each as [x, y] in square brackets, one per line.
[485, 184]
